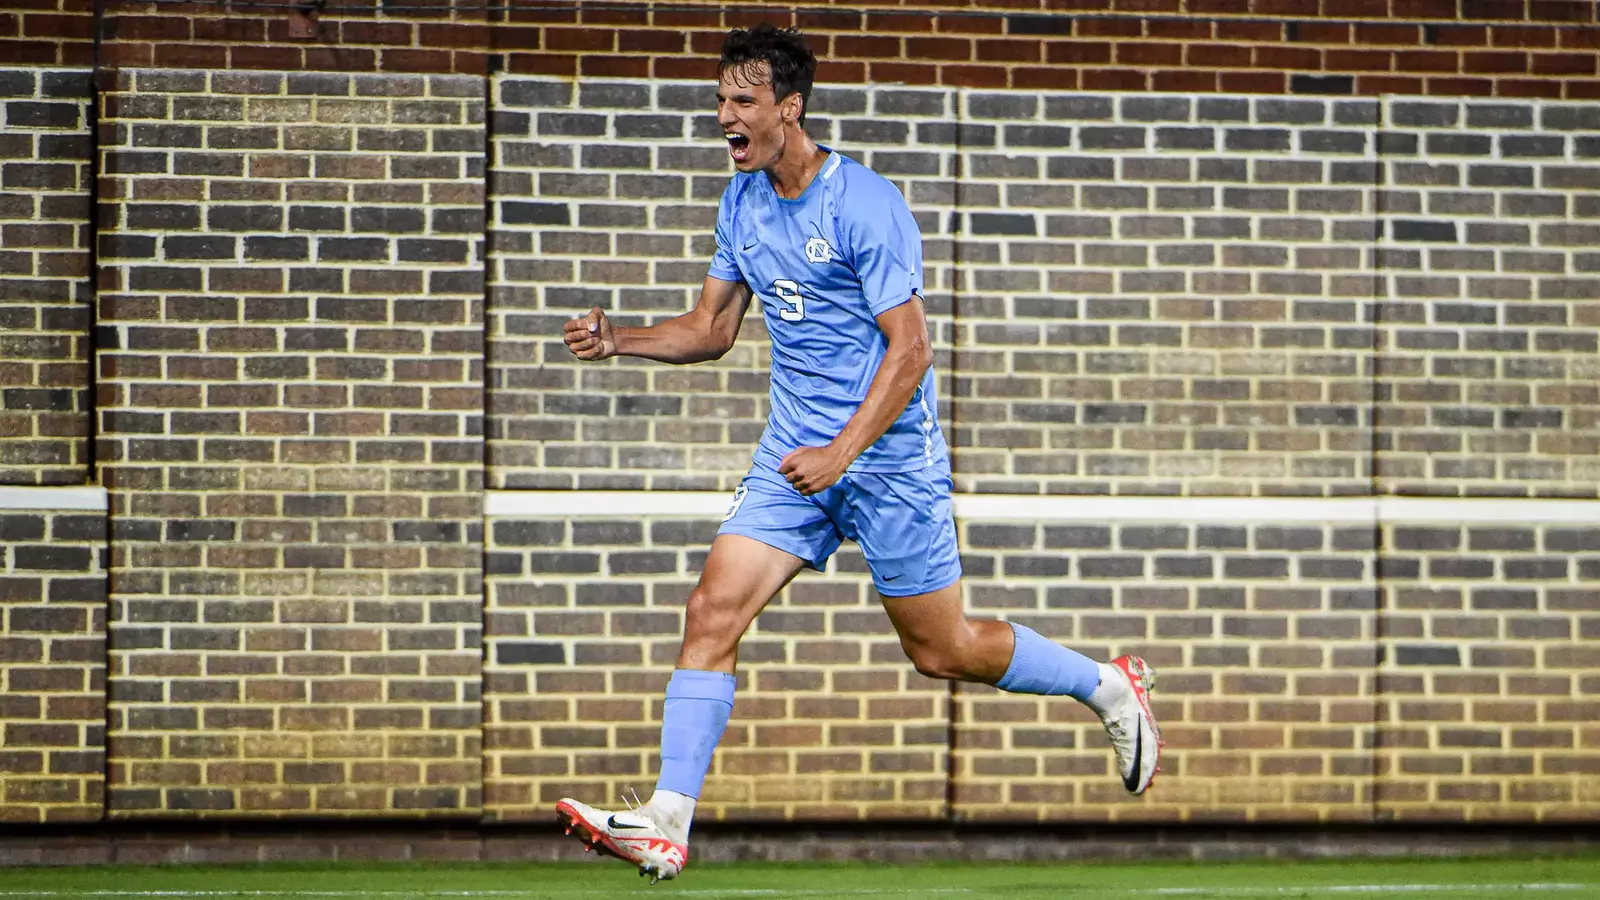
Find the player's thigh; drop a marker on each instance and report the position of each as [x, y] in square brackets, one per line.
[907, 532]
[739, 577]
[768, 535]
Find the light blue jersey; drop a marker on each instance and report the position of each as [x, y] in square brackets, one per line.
[823, 266]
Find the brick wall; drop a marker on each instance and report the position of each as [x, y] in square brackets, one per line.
[52, 665]
[1491, 270]
[44, 276]
[290, 404]
[1490, 670]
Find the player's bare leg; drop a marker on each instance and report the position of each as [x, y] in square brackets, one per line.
[942, 641]
[739, 577]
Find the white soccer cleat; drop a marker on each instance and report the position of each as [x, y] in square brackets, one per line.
[1133, 730]
[630, 835]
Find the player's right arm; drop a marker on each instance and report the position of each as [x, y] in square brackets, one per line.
[703, 333]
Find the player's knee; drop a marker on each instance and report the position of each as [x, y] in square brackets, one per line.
[709, 615]
[936, 662]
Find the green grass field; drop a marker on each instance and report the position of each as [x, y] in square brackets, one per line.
[1558, 879]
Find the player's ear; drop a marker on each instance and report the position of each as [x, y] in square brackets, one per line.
[792, 107]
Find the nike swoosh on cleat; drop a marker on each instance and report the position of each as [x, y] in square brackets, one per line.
[1131, 780]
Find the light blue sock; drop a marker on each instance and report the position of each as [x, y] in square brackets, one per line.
[1042, 666]
[696, 712]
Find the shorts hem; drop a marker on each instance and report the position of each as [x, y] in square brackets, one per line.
[917, 592]
[793, 548]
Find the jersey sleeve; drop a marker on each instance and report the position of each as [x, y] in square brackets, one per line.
[883, 244]
[724, 265]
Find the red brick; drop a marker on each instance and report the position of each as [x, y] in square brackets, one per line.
[708, 42]
[840, 72]
[1083, 5]
[1114, 80]
[510, 37]
[1217, 55]
[389, 34]
[1228, 7]
[923, 48]
[1177, 30]
[46, 25]
[630, 17]
[1358, 61]
[1507, 36]
[1427, 61]
[885, 21]
[542, 64]
[640, 41]
[1306, 8]
[1149, 54]
[341, 59]
[1324, 33]
[867, 47]
[1460, 87]
[1527, 87]
[680, 18]
[585, 39]
[1492, 63]
[973, 76]
[615, 66]
[1010, 51]
[1365, 9]
[1462, 36]
[1184, 81]
[1108, 28]
[970, 24]
[201, 56]
[1373, 33]
[265, 58]
[450, 35]
[1561, 10]
[1581, 90]
[1045, 78]
[1424, 9]
[1254, 82]
[909, 73]
[11, 25]
[1588, 38]
[1563, 64]
[230, 30]
[683, 67]
[812, 21]
[147, 28]
[1300, 58]
[1077, 52]
[1388, 84]
[524, 16]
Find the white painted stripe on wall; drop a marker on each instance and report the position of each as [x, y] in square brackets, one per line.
[86, 497]
[1034, 508]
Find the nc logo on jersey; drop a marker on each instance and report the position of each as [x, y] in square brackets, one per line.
[818, 251]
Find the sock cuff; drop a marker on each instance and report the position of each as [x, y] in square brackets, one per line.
[1021, 670]
[695, 684]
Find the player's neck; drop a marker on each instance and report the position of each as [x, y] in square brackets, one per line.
[800, 162]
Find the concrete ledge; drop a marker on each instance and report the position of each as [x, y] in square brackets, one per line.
[148, 843]
[1103, 510]
[78, 497]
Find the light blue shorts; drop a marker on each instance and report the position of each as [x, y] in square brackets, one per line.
[901, 520]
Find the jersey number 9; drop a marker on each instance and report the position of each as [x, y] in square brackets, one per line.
[794, 304]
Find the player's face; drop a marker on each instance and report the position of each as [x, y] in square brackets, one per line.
[751, 117]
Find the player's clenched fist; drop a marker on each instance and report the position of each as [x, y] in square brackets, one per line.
[590, 337]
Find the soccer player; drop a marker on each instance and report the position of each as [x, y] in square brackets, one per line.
[852, 449]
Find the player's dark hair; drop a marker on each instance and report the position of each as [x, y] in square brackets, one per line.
[788, 59]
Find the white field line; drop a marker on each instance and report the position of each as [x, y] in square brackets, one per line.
[424, 894]
[1357, 889]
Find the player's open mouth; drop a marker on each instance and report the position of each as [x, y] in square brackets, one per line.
[738, 146]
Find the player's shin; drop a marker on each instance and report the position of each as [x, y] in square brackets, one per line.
[1042, 666]
[696, 712]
